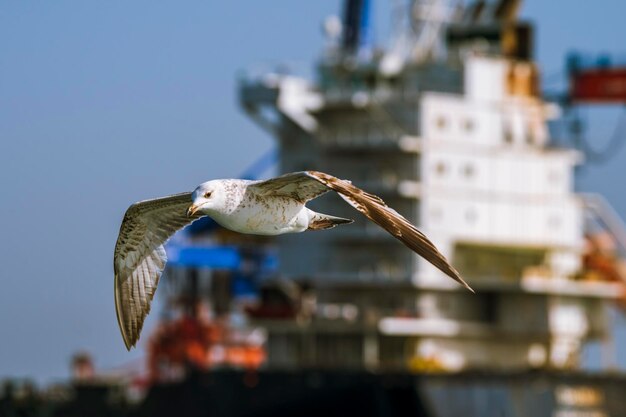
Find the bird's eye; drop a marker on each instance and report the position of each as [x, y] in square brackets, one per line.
[207, 194]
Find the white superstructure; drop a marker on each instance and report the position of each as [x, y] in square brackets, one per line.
[461, 147]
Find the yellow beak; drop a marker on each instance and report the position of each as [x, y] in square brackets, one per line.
[192, 210]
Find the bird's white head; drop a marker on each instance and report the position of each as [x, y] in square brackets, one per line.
[208, 198]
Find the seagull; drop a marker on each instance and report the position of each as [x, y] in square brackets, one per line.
[267, 207]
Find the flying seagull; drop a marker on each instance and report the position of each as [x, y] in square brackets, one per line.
[270, 207]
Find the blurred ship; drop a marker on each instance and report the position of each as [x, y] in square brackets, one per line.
[448, 125]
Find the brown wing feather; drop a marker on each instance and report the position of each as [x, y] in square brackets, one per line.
[375, 209]
[140, 258]
[297, 185]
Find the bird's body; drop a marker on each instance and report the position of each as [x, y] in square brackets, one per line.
[270, 207]
[248, 212]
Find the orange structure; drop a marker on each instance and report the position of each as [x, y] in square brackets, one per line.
[193, 342]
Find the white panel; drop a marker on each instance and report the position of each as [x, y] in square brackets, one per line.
[512, 221]
[485, 78]
[567, 317]
[467, 120]
[488, 125]
[504, 172]
[447, 118]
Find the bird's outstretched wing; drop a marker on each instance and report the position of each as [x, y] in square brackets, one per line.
[302, 185]
[298, 185]
[139, 257]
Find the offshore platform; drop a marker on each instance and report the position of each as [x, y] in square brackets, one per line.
[449, 126]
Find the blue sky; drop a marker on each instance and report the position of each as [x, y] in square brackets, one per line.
[106, 103]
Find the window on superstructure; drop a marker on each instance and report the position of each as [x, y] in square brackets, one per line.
[468, 125]
[469, 170]
[529, 137]
[508, 136]
[529, 140]
[440, 168]
[441, 122]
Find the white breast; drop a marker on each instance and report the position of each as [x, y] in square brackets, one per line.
[266, 216]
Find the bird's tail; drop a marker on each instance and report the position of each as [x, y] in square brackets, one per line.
[319, 221]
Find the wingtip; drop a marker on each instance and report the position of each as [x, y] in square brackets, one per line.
[457, 277]
[129, 345]
[465, 284]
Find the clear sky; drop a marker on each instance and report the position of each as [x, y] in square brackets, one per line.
[106, 103]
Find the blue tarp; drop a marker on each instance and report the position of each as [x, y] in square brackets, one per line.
[217, 257]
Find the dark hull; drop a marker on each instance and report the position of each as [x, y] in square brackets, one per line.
[362, 394]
